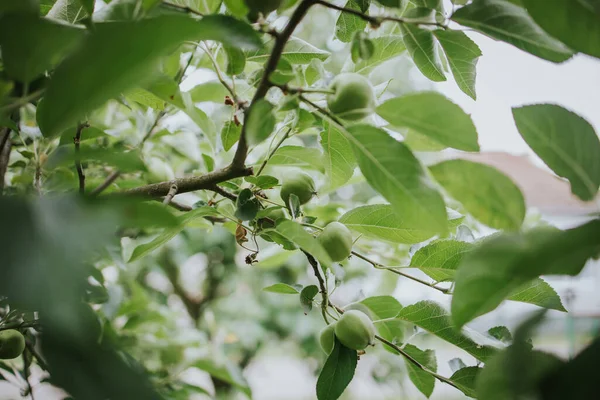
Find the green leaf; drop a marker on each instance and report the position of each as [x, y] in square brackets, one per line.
[263, 181]
[202, 6]
[307, 296]
[228, 372]
[433, 115]
[500, 333]
[67, 10]
[487, 194]
[281, 288]
[339, 158]
[337, 372]
[510, 23]
[347, 24]
[247, 205]
[145, 98]
[421, 46]
[260, 122]
[462, 54]
[465, 379]
[575, 23]
[296, 51]
[31, 45]
[212, 91]
[392, 169]
[30, 7]
[144, 249]
[382, 307]
[297, 156]
[105, 65]
[88, 5]
[504, 263]
[230, 134]
[423, 380]
[440, 258]
[566, 142]
[386, 48]
[379, 221]
[66, 138]
[539, 293]
[433, 318]
[295, 233]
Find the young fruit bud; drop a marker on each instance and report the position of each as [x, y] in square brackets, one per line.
[337, 240]
[327, 338]
[353, 97]
[355, 330]
[301, 185]
[12, 344]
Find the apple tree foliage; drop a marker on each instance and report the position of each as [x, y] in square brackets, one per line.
[142, 140]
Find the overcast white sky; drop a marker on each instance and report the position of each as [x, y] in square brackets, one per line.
[508, 77]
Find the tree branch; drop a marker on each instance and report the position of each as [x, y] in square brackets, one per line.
[323, 287]
[5, 147]
[281, 39]
[109, 180]
[78, 167]
[376, 21]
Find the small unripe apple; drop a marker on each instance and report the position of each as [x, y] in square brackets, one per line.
[327, 338]
[12, 344]
[300, 184]
[270, 219]
[353, 98]
[355, 330]
[337, 240]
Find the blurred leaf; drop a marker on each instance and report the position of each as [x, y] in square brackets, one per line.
[294, 232]
[144, 249]
[105, 65]
[462, 54]
[566, 142]
[392, 169]
[236, 60]
[423, 380]
[433, 318]
[487, 194]
[209, 91]
[202, 6]
[70, 11]
[281, 288]
[31, 45]
[263, 181]
[575, 23]
[433, 115]
[510, 23]
[337, 372]
[502, 264]
[501, 333]
[66, 138]
[225, 372]
[260, 122]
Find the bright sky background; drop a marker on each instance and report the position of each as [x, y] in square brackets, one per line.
[508, 77]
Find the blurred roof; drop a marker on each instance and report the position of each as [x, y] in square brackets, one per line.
[541, 188]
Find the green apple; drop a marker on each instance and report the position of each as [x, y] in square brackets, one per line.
[352, 98]
[300, 184]
[327, 338]
[12, 344]
[337, 240]
[355, 330]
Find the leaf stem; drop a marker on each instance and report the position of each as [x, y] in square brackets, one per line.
[283, 138]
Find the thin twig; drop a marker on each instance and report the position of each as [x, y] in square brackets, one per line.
[264, 163]
[298, 90]
[227, 86]
[150, 131]
[395, 271]
[5, 148]
[21, 101]
[376, 21]
[321, 110]
[323, 287]
[107, 182]
[78, 167]
[223, 192]
[239, 158]
[171, 194]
